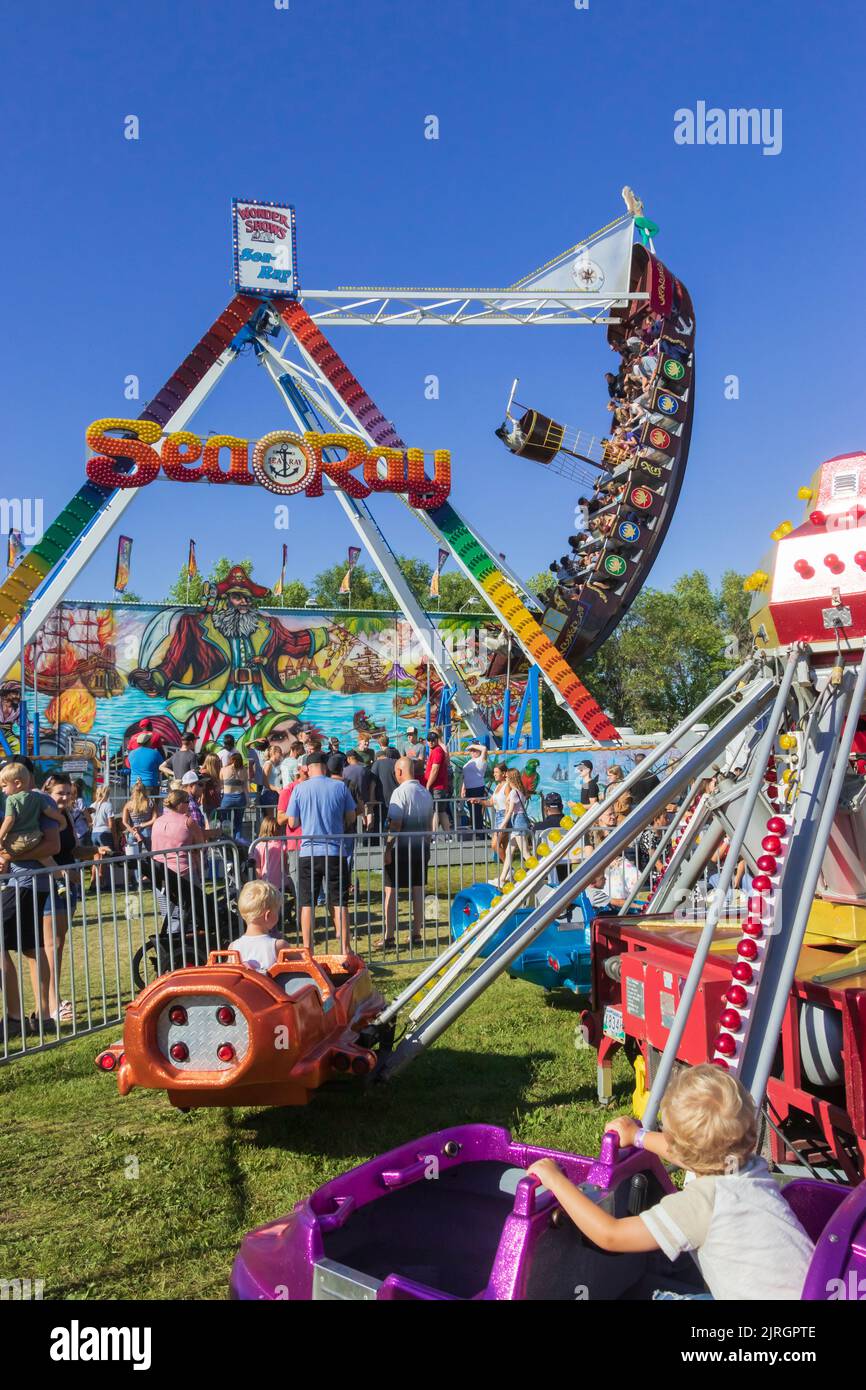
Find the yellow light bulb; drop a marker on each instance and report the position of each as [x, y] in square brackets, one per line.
[519, 875]
[532, 862]
[508, 888]
[787, 741]
[566, 823]
[554, 837]
[805, 494]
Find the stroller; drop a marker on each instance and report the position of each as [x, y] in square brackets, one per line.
[197, 918]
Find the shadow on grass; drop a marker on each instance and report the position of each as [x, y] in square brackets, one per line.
[445, 1088]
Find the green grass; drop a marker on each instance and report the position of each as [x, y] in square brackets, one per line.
[71, 1216]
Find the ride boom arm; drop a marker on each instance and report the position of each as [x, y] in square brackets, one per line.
[474, 558]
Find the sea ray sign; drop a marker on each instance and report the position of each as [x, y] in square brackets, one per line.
[265, 249]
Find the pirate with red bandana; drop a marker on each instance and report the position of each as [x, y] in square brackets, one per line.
[232, 666]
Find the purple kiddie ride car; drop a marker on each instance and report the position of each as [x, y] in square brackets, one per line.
[454, 1216]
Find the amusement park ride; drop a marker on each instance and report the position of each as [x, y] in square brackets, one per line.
[776, 996]
[602, 281]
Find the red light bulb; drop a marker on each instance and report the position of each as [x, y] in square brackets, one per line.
[762, 883]
[831, 560]
[178, 1052]
[726, 1045]
[776, 825]
[729, 1018]
[752, 928]
[860, 559]
[737, 996]
[767, 864]
[742, 971]
[747, 949]
[720, 1062]
[225, 1015]
[225, 1052]
[817, 518]
[177, 1014]
[772, 844]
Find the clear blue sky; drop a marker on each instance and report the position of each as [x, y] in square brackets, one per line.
[117, 253]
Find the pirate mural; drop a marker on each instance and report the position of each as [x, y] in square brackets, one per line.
[229, 667]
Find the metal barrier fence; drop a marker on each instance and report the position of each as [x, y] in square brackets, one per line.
[77, 943]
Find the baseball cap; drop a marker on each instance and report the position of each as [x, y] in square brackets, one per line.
[336, 763]
[189, 779]
[412, 729]
[553, 799]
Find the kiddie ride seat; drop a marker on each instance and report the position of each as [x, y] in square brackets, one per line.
[485, 1230]
[559, 958]
[226, 1034]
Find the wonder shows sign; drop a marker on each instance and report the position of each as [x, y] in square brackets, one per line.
[265, 254]
[282, 461]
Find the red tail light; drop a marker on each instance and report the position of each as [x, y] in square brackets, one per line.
[225, 1052]
[225, 1015]
[177, 1014]
[106, 1061]
[340, 1062]
[360, 1066]
[178, 1052]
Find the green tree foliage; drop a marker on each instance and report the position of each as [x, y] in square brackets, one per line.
[365, 588]
[178, 591]
[130, 596]
[456, 593]
[666, 655]
[669, 651]
[294, 595]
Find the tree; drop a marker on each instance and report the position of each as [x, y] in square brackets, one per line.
[665, 656]
[456, 592]
[295, 594]
[178, 591]
[129, 596]
[365, 591]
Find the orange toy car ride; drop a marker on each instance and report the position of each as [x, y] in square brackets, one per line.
[226, 1034]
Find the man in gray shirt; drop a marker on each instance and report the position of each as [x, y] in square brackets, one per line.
[407, 850]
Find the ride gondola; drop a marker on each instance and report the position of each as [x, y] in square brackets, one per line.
[636, 484]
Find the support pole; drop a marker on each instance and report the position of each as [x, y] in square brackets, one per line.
[755, 1073]
[693, 980]
[536, 877]
[417, 1039]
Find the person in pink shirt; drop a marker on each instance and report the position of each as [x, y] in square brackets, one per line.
[269, 854]
[177, 867]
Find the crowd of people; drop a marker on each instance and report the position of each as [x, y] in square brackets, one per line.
[298, 810]
[599, 520]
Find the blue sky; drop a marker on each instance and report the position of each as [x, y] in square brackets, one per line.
[117, 252]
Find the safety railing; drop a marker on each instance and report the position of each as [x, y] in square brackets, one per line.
[78, 942]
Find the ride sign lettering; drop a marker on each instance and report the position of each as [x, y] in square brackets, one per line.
[285, 462]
